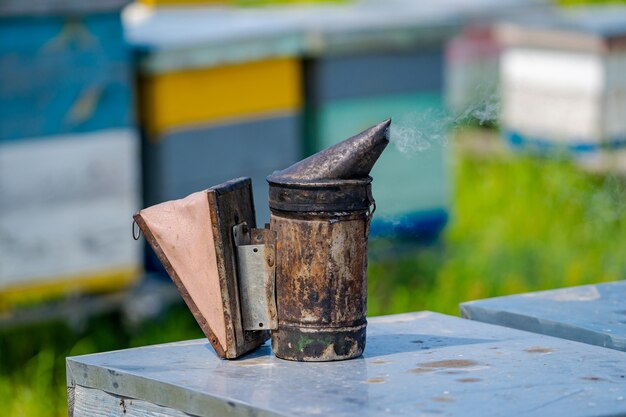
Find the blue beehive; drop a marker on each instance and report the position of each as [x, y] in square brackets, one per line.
[63, 74]
[68, 150]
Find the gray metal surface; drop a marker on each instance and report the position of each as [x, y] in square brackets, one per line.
[372, 74]
[414, 364]
[256, 281]
[593, 314]
[256, 272]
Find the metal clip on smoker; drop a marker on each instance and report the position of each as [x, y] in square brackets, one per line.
[303, 277]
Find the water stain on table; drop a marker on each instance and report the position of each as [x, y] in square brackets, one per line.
[380, 362]
[539, 349]
[468, 380]
[376, 381]
[445, 364]
[443, 399]
[450, 363]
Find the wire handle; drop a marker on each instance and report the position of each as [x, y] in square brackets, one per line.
[136, 235]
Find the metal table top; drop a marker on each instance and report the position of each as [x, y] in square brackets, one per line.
[594, 314]
[414, 364]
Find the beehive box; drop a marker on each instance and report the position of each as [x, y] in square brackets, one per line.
[351, 64]
[220, 98]
[68, 151]
[63, 74]
[374, 60]
[472, 74]
[64, 207]
[353, 92]
[564, 85]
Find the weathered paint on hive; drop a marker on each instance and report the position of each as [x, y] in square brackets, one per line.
[63, 74]
[88, 184]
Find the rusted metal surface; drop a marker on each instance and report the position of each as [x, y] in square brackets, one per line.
[322, 196]
[353, 159]
[320, 213]
[321, 285]
[256, 273]
[335, 179]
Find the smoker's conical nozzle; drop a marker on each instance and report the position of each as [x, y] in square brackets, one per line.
[353, 158]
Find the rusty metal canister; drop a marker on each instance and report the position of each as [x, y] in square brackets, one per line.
[320, 211]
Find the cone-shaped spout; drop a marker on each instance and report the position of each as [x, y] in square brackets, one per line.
[333, 180]
[353, 158]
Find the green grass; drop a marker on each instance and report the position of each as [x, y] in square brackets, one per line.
[589, 2]
[518, 224]
[32, 361]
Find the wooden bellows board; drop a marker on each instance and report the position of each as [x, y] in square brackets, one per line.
[192, 238]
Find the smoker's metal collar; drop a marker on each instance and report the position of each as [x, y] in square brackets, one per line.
[322, 196]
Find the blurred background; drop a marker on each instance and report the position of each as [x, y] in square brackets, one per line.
[505, 173]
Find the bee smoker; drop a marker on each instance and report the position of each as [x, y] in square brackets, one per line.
[303, 277]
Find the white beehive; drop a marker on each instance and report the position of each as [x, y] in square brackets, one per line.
[563, 83]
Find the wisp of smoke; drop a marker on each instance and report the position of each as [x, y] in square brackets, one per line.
[414, 132]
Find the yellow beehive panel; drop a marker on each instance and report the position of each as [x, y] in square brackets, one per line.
[206, 95]
[98, 282]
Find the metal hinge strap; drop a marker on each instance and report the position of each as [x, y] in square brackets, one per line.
[256, 270]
